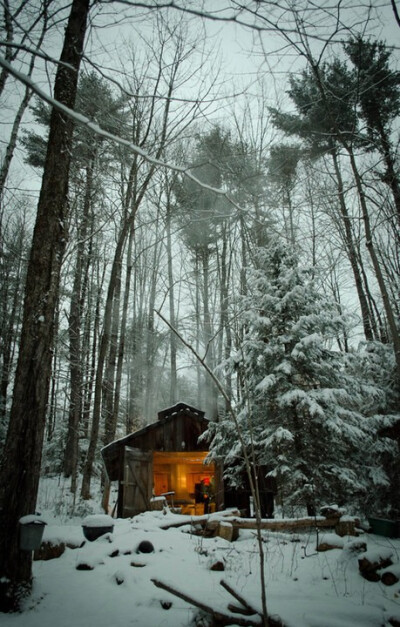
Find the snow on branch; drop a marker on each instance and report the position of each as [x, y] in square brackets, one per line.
[98, 130]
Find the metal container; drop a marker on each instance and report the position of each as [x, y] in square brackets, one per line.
[384, 527]
[30, 533]
[92, 533]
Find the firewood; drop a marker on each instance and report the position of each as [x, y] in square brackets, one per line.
[391, 575]
[211, 528]
[355, 547]
[372, 561]
[329, 541]
[49, 551]
[330, 511]
[346, 528]
[226, 530]
[389, 579]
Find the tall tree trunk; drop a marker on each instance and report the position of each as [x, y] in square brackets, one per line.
[390, 177]
[243, 255]
[23, 450]
[54, 383]
[199, 370]
[92, 326]
[151, 347]
[75, 341]
[171, 296]
[10, 321]
[133, 197]
[108, 410]
[351, 251]
[122, 338]
[102, 355]
[394, 331]
[107, 407]
[211, 400]
[225, 324]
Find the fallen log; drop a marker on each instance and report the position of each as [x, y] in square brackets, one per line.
[265, 524]
[285, 524]
[201, 520]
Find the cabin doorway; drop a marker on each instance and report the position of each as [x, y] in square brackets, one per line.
[137, 481]
[188, 477]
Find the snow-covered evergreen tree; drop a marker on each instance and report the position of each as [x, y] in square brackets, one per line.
[303, 413]
[375, 364]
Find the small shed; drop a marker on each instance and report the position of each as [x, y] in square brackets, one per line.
[165, 457]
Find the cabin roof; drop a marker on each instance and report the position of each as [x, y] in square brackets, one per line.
[112, 452]
[180, 408]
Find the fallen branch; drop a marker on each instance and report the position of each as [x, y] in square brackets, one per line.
[235, 609]
[246, 609]
[223, 619]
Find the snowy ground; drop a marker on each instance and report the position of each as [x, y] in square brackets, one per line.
[305, 588]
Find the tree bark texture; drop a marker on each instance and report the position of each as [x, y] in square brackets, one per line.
[23, 450]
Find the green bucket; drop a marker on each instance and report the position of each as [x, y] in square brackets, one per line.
[384, 527]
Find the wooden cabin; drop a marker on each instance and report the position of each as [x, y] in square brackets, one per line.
[165, 457]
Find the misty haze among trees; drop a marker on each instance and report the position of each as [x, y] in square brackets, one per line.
[259, 212]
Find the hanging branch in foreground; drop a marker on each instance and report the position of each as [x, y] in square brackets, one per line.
[247, 461]
[220, 617]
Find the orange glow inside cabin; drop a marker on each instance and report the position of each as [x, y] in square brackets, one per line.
[182, 473]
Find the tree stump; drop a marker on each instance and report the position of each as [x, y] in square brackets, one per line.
[211, 528]
[346, 528]
[331, 511]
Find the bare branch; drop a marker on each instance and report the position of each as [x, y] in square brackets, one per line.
[95, 128]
